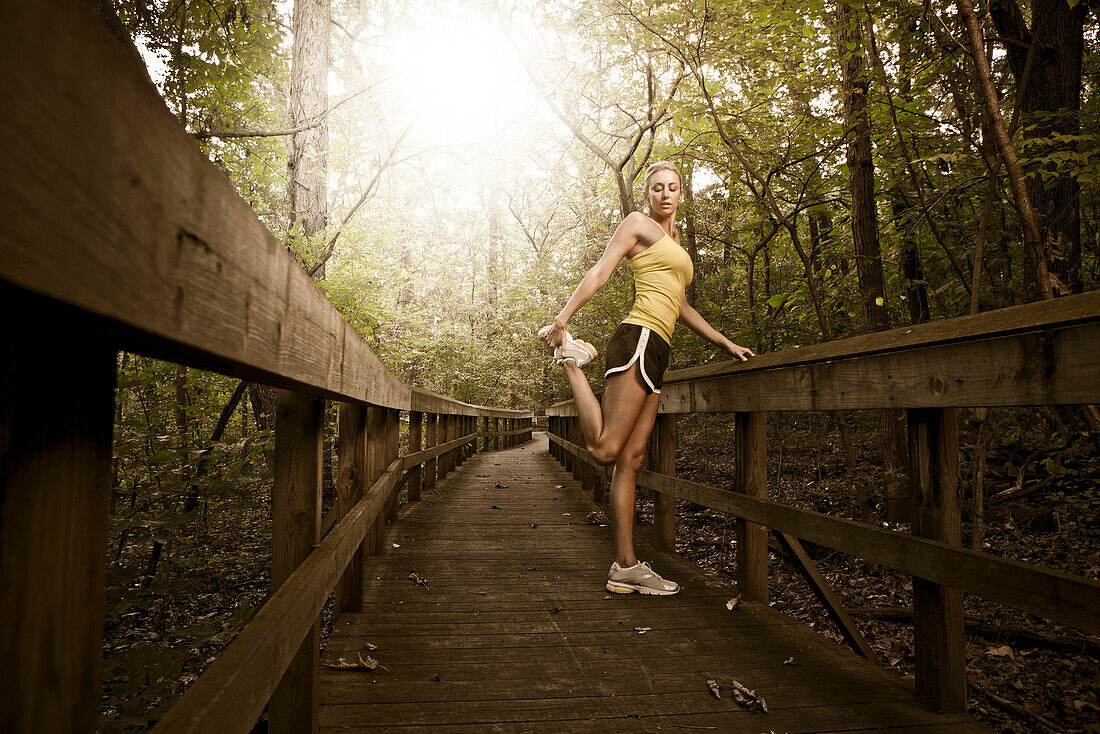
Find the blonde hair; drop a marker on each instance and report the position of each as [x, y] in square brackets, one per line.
[656, 167]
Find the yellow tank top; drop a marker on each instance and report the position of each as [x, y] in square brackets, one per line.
[662, 272]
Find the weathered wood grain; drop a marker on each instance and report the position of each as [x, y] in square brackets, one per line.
[296, 529]
[665, 508]
[1038, 354]
[515, 629]
[57, 382]
[750, 454]
[937, 609]
[352, 481]
[1062, 597]
[416, 480]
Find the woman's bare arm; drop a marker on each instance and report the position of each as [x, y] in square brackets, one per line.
[630, 232]
[694, 321]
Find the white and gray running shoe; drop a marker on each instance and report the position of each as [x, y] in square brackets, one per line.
[641, 578]
[577, 350]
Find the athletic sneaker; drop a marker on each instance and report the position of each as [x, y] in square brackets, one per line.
[577, 350]
[641, 578]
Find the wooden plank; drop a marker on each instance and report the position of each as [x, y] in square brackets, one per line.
[57, 379]
[664, 520]
[429, 402]
[1028, 318]
[828, 598]
[393, 447]
[122, 216]
[1044, 368]
[751, 480]
[416, 481]
[377, 448]
[233, 691]
[296, 529]
[1053, 366]
[937, 609]
[1058, 596]
[352, 481]
[430, 465]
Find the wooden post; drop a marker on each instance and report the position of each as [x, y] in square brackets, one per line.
[496, 434]
[664, 520]
[376, 466]
[415, 473]
[485, 431]
[937, 609]
[350, 485]
[575, 436]
[393, 448]
[448, 435]
[433, 441]
[296, 528]
[57, 410]
[752, 538]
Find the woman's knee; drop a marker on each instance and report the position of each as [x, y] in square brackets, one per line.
[606, 453]
[631, 460]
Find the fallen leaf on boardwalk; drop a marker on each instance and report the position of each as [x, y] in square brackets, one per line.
[748, 698]
[496, 508]
[419, 579]
[555, 610]
[607, 596]
[734, 603]
[789, 661]
[566, 514]
[501, 486]
[370, 646]
[559, 486]
[713, 686]
[643, 630]
[361, 664]
[597, 518]
[1004, 651]
[482, 593]
[396, 545]
[533, 524]
[437, 676]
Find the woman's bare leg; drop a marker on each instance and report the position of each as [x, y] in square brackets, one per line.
[624, 482]
[608, 425]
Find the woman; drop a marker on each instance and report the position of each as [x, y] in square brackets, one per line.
[617, 430]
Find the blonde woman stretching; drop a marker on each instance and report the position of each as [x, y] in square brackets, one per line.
[617, 430]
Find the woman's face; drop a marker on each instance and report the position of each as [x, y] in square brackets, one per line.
[663, 194]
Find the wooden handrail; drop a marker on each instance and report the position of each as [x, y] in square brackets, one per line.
[1036, 354]
[1062, 597]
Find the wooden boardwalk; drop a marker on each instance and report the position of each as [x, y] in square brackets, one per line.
[512, 630]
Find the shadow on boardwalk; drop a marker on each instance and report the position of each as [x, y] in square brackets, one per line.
[513, 630]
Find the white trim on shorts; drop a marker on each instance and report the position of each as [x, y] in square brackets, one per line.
[639, 352]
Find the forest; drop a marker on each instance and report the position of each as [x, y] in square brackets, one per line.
[447, 170]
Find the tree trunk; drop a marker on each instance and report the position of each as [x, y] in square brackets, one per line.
[861, 170]
[307, 160]
[1053, 84]
[689, 228]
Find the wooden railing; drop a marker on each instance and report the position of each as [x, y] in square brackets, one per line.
[1037, 354]
[121, 235]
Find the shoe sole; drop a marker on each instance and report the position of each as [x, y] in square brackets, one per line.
[631, 588]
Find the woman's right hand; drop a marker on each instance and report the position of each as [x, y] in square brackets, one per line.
[556, 335]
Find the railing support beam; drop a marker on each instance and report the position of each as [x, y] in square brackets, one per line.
[57, 409]
[351, 482]
[416, 473]
[296, 529]
[937, 609]
[752, 538]
[664, 520]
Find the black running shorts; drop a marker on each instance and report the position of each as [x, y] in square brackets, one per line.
[630, 343]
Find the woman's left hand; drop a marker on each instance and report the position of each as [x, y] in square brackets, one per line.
[742, 353]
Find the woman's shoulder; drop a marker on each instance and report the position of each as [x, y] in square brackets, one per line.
[643, 228]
